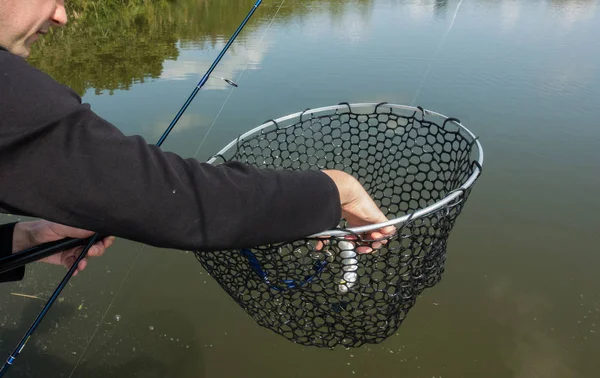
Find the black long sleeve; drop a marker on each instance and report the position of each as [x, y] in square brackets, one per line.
[62, 162]
[6, 242]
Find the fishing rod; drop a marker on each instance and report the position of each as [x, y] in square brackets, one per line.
[38, 252]
[95, 237]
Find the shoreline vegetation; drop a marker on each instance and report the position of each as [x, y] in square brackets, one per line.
[77, 9]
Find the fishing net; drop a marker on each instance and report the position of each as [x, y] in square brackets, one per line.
[419, 168]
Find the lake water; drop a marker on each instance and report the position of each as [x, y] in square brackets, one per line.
[521, 293]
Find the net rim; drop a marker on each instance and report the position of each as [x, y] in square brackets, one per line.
[451, 197]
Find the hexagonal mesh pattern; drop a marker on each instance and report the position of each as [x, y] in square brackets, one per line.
[333, 296]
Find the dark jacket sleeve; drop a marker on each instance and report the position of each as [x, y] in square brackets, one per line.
[62, 162]
[6, 240]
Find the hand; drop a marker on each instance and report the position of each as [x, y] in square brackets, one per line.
[30, 234]
[358, 208]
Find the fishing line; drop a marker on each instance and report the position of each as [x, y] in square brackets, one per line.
[107, 310]
[9, 362]
[237, 81]
[437, 51]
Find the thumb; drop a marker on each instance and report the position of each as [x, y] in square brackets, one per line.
[69, 232]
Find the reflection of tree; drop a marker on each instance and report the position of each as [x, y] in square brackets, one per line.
[440, 6]
[112, 47]
[120, 47]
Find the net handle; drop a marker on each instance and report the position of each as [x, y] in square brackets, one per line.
[450, 198]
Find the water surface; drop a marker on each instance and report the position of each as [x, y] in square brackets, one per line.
[519, 297]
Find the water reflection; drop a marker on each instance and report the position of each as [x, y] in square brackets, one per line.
[572, 11]
[169, 350]
[130, 44]
[193, 63]
[439, 7]
[538, 350]
[523, 74]
[133, 44]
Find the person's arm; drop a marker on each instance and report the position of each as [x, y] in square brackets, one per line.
[60, 161]
[6, 249]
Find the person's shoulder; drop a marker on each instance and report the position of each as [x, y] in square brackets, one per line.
[26, 87]
[16, 72]
[11, 64]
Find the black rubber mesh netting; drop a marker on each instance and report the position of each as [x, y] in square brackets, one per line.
[333, 296]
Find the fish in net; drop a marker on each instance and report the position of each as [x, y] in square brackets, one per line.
[418, 166]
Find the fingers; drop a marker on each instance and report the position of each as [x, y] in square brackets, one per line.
[322, 242]
[108, 241]
[360, 248]
[364, 249]
[70, 260]
[96, 250]
[81, 266]
[100, 247]
[379, 237]
[387, 231]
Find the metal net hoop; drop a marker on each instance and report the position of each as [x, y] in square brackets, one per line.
[418, 166]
